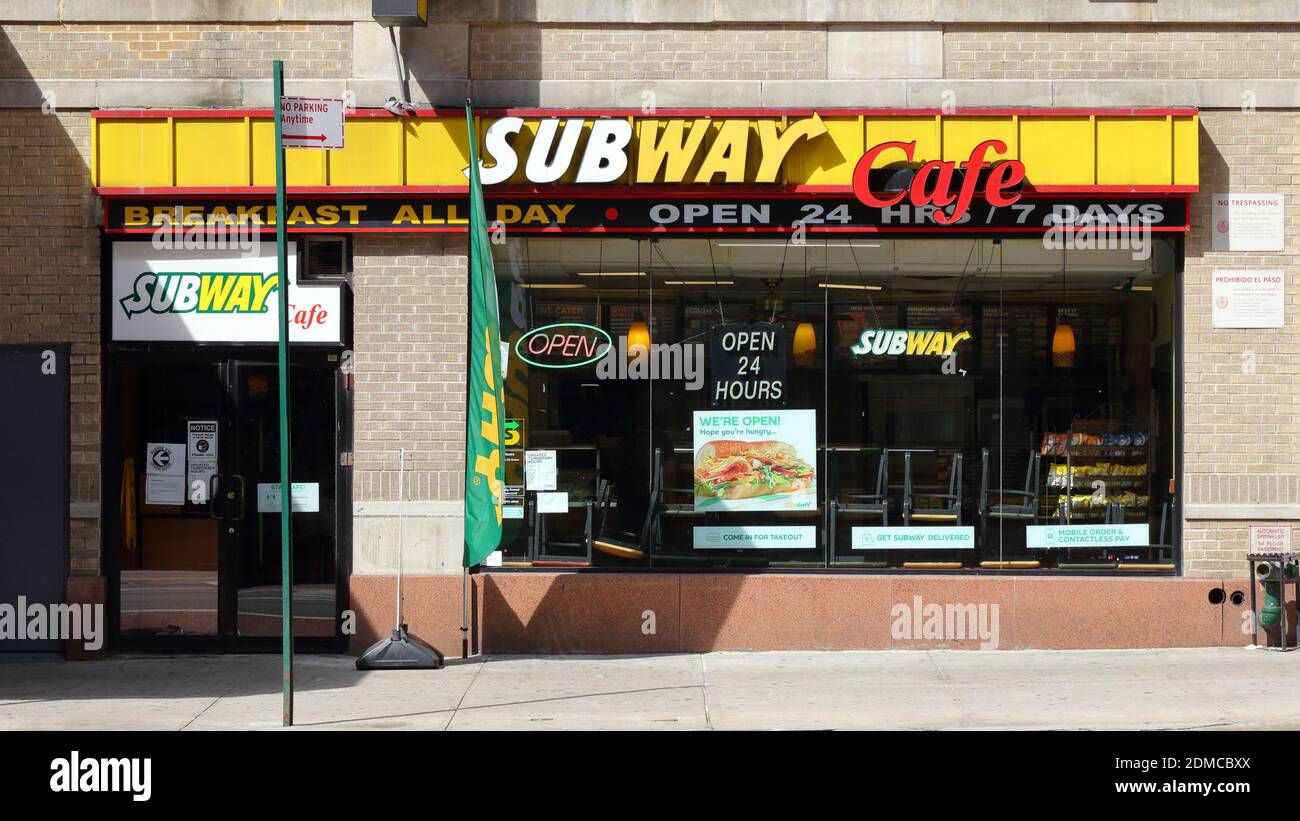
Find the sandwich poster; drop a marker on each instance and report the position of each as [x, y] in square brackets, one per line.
[755, 460]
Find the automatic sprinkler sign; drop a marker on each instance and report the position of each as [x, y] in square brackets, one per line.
[310, 122]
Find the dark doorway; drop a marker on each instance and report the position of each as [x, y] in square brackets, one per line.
[34, 438]
[198, 560]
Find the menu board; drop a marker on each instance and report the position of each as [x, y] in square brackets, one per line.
[946, 318]
[699, 318]
[849, 321]
[1023, 333]
[1098, 330]
[662, 321]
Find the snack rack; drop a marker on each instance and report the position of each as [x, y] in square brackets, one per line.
[1109, 452]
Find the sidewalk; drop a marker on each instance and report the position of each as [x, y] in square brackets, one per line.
[1097, 689]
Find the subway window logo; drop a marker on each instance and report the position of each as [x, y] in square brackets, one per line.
[899, 342]
[205, 293]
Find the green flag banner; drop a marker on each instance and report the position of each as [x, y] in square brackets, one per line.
[484, 428]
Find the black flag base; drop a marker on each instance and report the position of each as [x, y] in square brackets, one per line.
[400, 651]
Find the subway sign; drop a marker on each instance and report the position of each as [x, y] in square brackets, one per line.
[932, 182]
[901, 342]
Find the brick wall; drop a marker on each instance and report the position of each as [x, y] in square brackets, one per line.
[647, 53]
[49, 278]
[1121, 52]
[1241, 413]
[180, 51]
[409, 334]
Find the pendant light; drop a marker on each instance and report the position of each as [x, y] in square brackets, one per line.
[1063, 346]
[638, 333]
[1063, 336]
[805, 337]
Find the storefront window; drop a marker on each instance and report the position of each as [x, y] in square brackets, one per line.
[949, 404]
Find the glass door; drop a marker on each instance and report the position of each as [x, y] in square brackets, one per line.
[251, 519]
[168, 553]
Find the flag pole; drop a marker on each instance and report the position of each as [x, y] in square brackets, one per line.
[469, 330]
[286, 489]
[484, 400]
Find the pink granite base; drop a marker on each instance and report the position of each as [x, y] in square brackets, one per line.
[543, 612]
[431, 609]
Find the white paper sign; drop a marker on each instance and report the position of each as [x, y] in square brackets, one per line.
[539, 469]
[305, 496]
[164, 490]
[195, 295]
[553, 502]
[164, 481]
[311, 122]
[960, 537]
[201, 459]
[751, 537]
[1248, 299]
[1270, 538]
[1249, 222]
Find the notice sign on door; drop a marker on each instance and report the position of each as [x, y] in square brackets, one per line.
[310, 122]
[1248, 299]
[1249, 222]
[201, 459]
[306, 497]
[164, 480]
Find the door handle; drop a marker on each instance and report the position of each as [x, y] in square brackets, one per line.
[214, 484]
[239, 505]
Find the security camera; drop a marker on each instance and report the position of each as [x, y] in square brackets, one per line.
[400, 108]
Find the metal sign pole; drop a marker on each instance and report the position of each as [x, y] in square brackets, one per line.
[286, 488]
